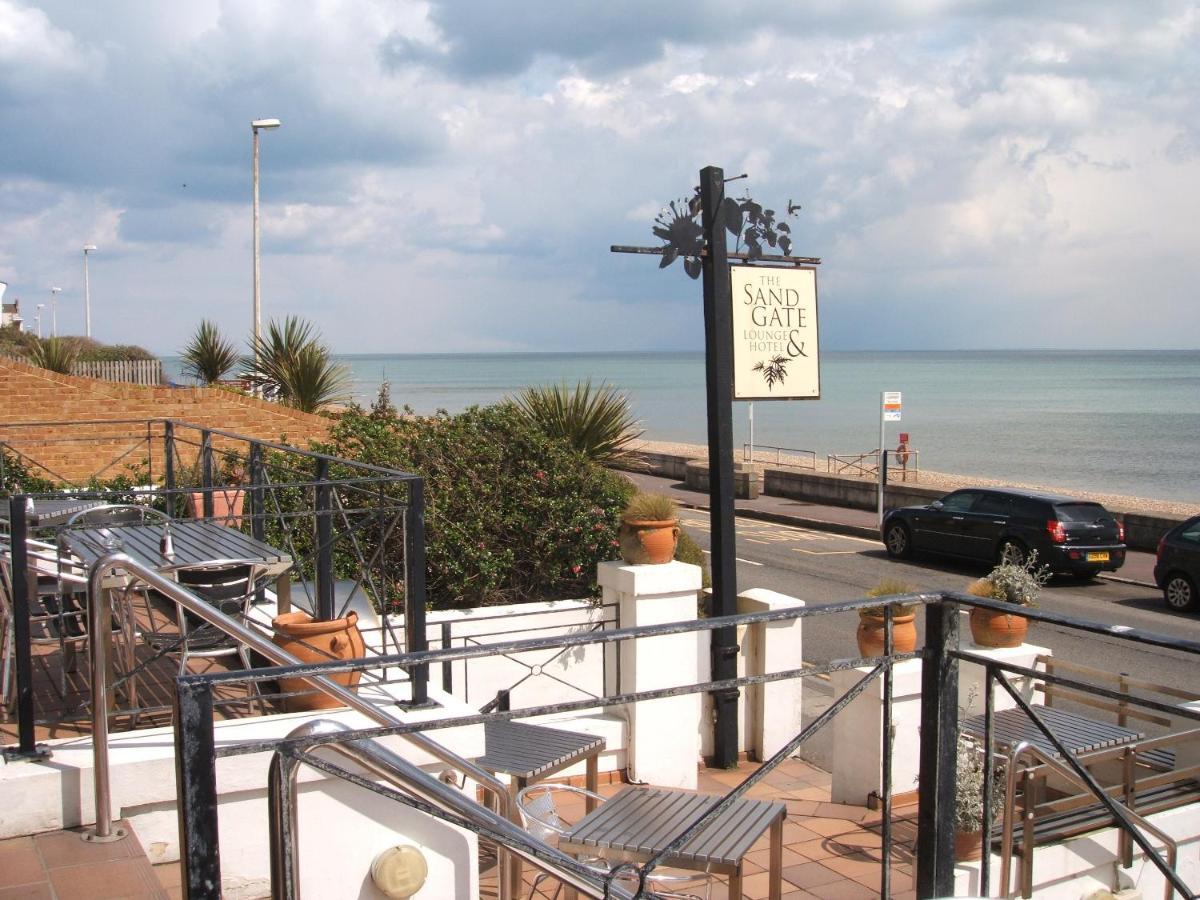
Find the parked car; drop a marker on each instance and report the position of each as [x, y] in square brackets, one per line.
[1070, 535]
[1177, 568]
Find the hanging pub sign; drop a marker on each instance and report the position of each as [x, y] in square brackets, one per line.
[775, 355]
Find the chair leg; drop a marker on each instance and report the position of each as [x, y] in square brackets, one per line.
[244, 654]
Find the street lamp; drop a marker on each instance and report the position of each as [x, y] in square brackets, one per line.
[54, 292]
[255, 127]
[38, 318]
[87, 294]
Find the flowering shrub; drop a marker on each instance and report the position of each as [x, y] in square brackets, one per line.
[512, 514]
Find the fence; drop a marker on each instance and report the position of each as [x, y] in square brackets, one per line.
[127, 371]
[784, 456]
[349, 530]
[866, 465]
[938, 733]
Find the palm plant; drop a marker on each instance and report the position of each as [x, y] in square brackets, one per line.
[56, 354]
[291, 364]
[208, 356]
[595, 421]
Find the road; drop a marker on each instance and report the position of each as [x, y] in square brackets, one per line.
[820, 567]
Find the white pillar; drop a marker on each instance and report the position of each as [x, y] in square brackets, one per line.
[773, 710]
[664, 743]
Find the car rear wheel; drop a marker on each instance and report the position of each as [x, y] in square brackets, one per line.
[1012, 553]
[1179, 592]
[898, 541]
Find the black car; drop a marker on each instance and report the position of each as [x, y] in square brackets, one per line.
[1177, 568]
[1070, 535]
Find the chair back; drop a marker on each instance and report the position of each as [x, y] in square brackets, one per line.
[226, 584]
[116, 514]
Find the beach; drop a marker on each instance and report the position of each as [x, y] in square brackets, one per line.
[950, 482]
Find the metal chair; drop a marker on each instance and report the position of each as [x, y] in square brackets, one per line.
[232, 586]
[544, 818]
[57, 615]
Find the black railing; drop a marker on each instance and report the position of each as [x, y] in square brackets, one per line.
[341, 523]
[939, 730]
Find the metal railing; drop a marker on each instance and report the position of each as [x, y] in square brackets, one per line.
[784, 456]
[866, 465]
[938, 730]
[98, 611]
[419, 791]
[334, 518]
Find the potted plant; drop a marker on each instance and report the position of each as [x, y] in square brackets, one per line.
[1019, 585]
[649, 529]
[227, 500]
[968, 800]
[871, 620]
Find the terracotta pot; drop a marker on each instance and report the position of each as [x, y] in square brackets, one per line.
[314, 641]
[968, 845]
[870, 634]
[997, 629]
[227, 506]
[648, 540]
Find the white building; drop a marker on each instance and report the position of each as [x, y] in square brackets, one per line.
[12, 312]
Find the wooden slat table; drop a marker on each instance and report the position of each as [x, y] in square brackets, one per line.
[51, 511]
[196, 542]
[529, 753]
[1078, 734]
[639, 822]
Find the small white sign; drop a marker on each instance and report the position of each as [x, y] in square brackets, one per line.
[775, 350]
[891, 406]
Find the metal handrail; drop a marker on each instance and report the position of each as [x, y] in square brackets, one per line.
[98, 646]
[399, 772]
[808, 461]
[1010, 790]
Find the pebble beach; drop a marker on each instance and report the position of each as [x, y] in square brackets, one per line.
[949, 482]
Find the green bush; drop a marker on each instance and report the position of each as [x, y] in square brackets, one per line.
[512, 514]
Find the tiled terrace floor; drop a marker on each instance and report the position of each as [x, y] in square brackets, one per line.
[831, 851]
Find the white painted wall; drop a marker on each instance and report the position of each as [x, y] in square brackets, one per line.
[1073, 869]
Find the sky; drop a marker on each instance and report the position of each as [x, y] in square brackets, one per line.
[450, 175]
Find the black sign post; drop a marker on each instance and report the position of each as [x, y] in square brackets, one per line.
[718, 366]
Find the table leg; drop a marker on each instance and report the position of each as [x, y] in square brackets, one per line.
[283, 593]
[592, 779]
[515, 785]
[776, 868]
[735, 883]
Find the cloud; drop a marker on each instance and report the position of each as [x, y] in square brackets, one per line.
[449, 176]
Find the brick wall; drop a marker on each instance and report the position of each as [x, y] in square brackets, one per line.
[33, 399]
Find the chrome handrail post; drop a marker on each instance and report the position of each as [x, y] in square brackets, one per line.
[100, 639]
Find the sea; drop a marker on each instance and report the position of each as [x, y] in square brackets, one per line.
[1122, 422]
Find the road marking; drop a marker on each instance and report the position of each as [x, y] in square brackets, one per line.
[748, 562]
[826, 552]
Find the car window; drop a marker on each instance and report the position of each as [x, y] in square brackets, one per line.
[1081, 512]
[1024, 508]
[959, 501]
[1191, 532]
[994, 505]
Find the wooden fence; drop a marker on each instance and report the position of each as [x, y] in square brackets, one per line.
[129, 371]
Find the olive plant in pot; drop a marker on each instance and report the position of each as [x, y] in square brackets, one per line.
[1019, 585]
[968, 800]
[871, 620]
[649, 529]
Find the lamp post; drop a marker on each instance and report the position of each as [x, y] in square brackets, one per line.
[87, 294]
[54, 292]
[255, 127]
[37, 317]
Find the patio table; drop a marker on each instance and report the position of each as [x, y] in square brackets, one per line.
[529, 753]
[51, 511]
[639, 822]
[1078, 734]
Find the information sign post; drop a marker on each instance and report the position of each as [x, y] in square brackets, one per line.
[889, 411]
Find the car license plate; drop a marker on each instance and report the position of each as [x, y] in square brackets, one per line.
[1098, 557]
